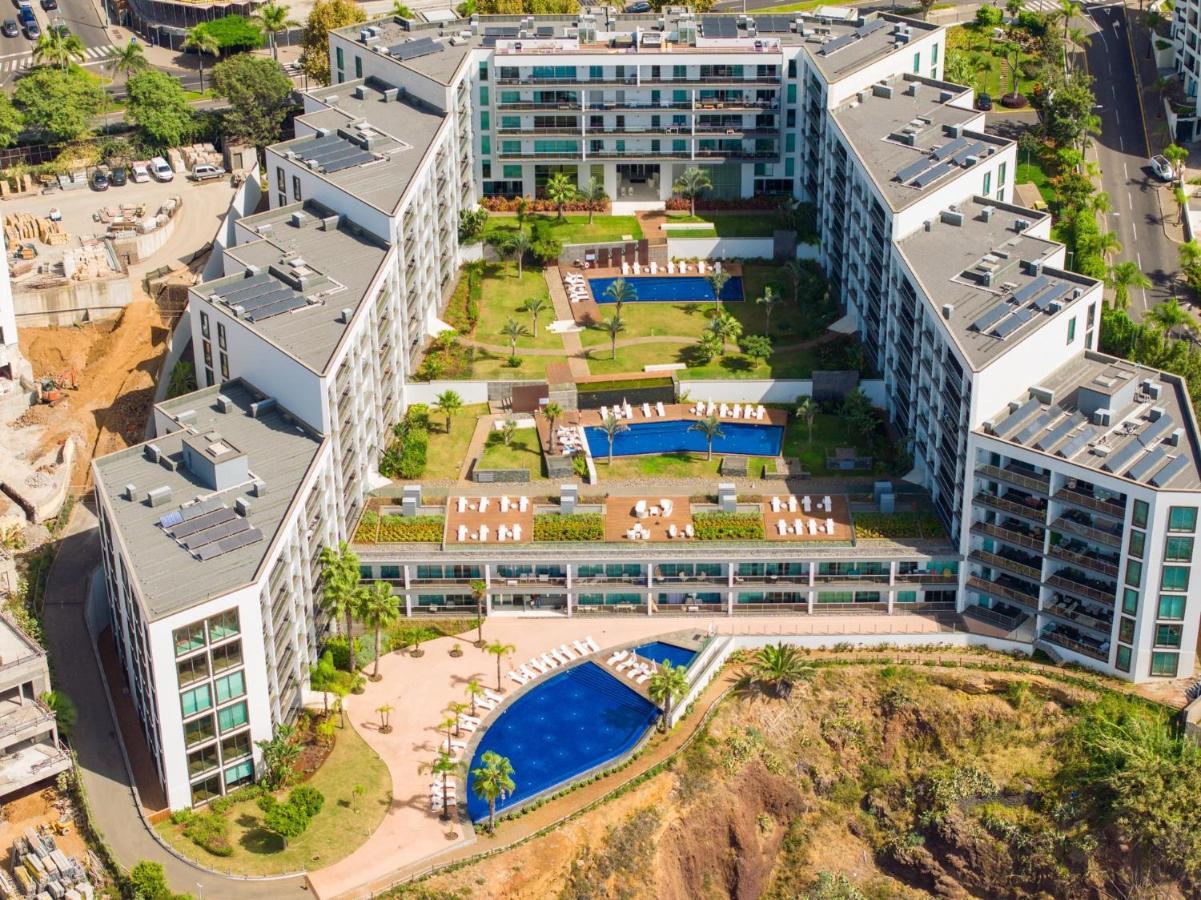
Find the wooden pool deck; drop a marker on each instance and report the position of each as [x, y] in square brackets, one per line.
[589, 312]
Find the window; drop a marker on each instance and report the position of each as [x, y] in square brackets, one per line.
[242, 773]
[224, 367]
[1071, 329]
[1138, 542]
[202, 760]
[1178, 549]
[223, 625]
[389, 572]
[1001, 175]
[511, 173]
[1123, 659]
[1171, 606]
[207, 348]
[987, 183]
[1168, 635]
[486, 169]
[196, 700]
[221, 335]
[934, 62]
[358, 67]
[193, 669]
[340, 58]
[1126, 630]
[203, 791]
[189, 638]
[235, 746]
[485, 120]
[199, 730]
[1182, 518]
[281, 184]
[1139, 519]
[208, 377]
[1165, 664]
[204, 322]
[281, 199]
[232, 717]
[486, 145]
[1175, 578]
[792, 93]
[1134, 572]
[296, 187]
[227, 656]
[792, 68]
[1130, 602]
[917, 62]
[483, 71]
[230, 686]
[483, 95]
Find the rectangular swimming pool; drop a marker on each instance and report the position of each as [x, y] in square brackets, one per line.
[678, 288]
[660, 651]
[738, 438]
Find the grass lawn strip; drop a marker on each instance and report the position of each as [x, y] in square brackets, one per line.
[669, 465]
[445, 454]
[523, 452]
[502, 298]
[573, 228]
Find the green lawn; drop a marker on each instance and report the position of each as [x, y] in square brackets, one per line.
[782, 364]
[446, 451]
[523, 452]
[1033, 173]
[334, 833]
[495, 367]
[829, 432]
[571, 229]
[669, 465]
[989, 60]
[504, 296]
[758, 223]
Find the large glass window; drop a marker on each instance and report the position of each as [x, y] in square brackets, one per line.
[203, 791]
[1126, 630]
[1123, 659]
[1182, 518]
[236, 746]
[202, 760]
[1130, 602]
[1171, 606]
[189, 638]
[193, 669]
[224, 625]
[1134, 572]
[1139, 518]
[1138, 543]
[1175, 578]
[1168, 635]
[1165, 664]
[227, 656]
[199, 730]
[1178, 549]
[230, 686]
[198, 699]
[242, 773]
[232, 717]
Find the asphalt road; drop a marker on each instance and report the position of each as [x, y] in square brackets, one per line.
[1123, 155]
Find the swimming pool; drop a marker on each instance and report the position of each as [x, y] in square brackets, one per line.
[656, 288]
[677, 436]
[658, 651]
[561, 728]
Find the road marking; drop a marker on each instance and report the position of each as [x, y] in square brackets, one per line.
[1121, 143]
[1117, 117]
[1125, 171]
[1134, 231]
[93, 56]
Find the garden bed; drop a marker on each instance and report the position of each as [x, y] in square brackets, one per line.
[575, 527]
[897, 526]
[376, 529]
[718, 526]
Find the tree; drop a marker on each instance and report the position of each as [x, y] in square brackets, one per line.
[1169, 316]
[280, 754]
[474, 691]
[768, 301]
[756, 346]
[1068, 10]
[806, 411]
[1177, 156]
[273, 18]
[325, 16]
[507, 429]
[443, 768]
[500, 650]
[128, 60]
[1122, 277]
[560, 190]
[620, 291]
[724, 327]
[780, 666]
[479, 591]
[614, 326]
[60, 102]
[534, 306]
[339, 588]
[449, 402]
[552, 411]
[456, 709]
[710, 427]
[58, 47]
[594, 195]
[1190, 264]
[259, 95]
[988, 17]
[235, 33]
[668, 684]
[204, 43]
[64, 711]
[11, 121]
[399, 9]
[517, 246]
[717, 281]
[959, 68]
[323, 676]
[1107, 244]
[795, 273]
[378, 607]
[692, 182]
[1068, 117]
[513, 331]
[612, 427]
[493, 781]
[925, 6]
[858, 413]
[148, 881]
[288, 820]
[158, 107]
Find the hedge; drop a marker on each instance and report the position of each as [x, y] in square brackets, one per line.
[376, 529]
[539, 205]
[883, 526]
[717, 526]
[576, 527]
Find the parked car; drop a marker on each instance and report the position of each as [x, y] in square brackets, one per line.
[116, 176]
[1162, 168]
[139, 172]
[49, 5]
[32, 30]
[161, 170]
[99, 179]
[10, 28]
[641, 6]
[983, 102]
[206, 172]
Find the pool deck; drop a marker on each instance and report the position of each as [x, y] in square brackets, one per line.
[483, 527]
[683, 412]
[588, 311]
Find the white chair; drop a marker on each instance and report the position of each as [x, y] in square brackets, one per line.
[660, 410]
[796, 523]
[671, 530]
[604, 411]
[484, 534]
[646, 410]
[550, 661]
[782, 527]
[626, 663]
[643, 678]
[646, 535]
[516, 532]
[591, 643]
[640, 509]
[527, 671]
[760, 412]
[666, 505]
[462, 533]
[629, 410]
[689, 531]
[724, 411]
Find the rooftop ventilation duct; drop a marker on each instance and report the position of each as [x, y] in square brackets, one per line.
[224, 404]
[330, 223]
[1032, 267]
[987, 213]
[242, 507]
[882, 90]
[158, 496]
[1020, 225]
[911, 89]
[259, 488]
[129, 491]
[947, 310]
[262, 407]
[951, 216]
[1103, 417]
[153, 453]
[345, 315]
[1156, 413]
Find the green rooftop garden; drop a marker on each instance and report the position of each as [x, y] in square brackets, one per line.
[573, 228]
[521, 452]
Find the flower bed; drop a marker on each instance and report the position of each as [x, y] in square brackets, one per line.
[535, 204]
[376, 529]
[763, 201]
[716, 526]
[882, 526]
[577, 527]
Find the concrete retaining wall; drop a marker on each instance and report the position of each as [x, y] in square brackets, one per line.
[731, 248]
[244, 202]
[767, 390]
[72, 302]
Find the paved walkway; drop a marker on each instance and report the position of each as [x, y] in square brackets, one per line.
[571, 339]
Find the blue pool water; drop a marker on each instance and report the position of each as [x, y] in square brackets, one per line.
[561, 728]
[657, 651]
[652, 288]
[674, 437]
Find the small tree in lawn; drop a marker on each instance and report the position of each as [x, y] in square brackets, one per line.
[614, 326]
[449, 403]
[443, 768]
[519, 245]
[493, 781]
[289, 820]
[560, 190]
[479, 591]
[768, 301]
[806, 411]
[535, 306]
[613, 427]
[339, 588]
[795, 272]
[513, 331]
[474, 691]
[667, 685]
[620, 291]
[508, 428]
[385, 713]
[322, 677]
[724, 327]
[756, 346]
[378, 607]
[552, 412]
[718, 281]
[710, 427]
[341, 690]
[594, 195]
[692, 182]
[500, 650]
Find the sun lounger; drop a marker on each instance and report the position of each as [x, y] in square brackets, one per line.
[643, 678]
[566, 651]
[462, 532]
[492, 695]
[485, 703]
[618, 656]
[646, 410]
[799, 526]
[813, 526]
[625, 268]
[558, 656]
[637, 268]
[484, 534]
[516, 676]
[671, 530]
[462, 504]
[760, 411]
[501, 533]
[700, 266]
[527, 671]
[782, 527]
[666, 505]
[581, 648]
[671, 267]
[624, 664]
[660, 410]
[504, 504]
[806, 504]
[791, 503]
[689, 531]
[717, 266]
[604, 412]
[829, 526]
[469, 727]
[723, 411]
[538, 664]
[826, 503]
[654, 267]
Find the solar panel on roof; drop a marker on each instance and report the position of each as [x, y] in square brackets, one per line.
[1012, 421]
[950, 149]
[224, 530]
[991, 317]
[275, 309]
[264, 299]
[870, 28]
[1076, 444]
[415, 49]
[1120, 459]
[208, 551]
[1170, 471]
[1026, 291]
[1058, 433]
[208, 520]
[245, 285]
[1037, 425]
[961, 157]
[1157, 429]
[171, 519]
[914, 169]
[837, 44]
[1147, 464]
[545, 31]
[238, 541]
[773, 24]
[350, 162]
[1055, 293]
[932, 175]
[199, 509]
[1008, 326]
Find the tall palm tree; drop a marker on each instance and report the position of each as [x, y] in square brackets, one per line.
[1169, 316]
[692, 182]
[500, 650]
[456, 708]
[493, 781]
[534, 306]
[725, 328]
[718, 281]
[806, 411]
[128, 60]
[1108, 244]
[1068, 10]
[273, 18]
[615, 327]
[559, 190]
[474, 691]
[552, 411]
[1122, 277]
[377, 607]
[58, 47]
[620, 291]
[795, 272]
[443, 767]
[710, 427]
[668, 684]
[780, 667]
[449, 402]
[479, 591]
[612, 427]
[768, 301]
[340, 588]
[513, 331]
[202, 41]
[518, 246]
[594, 195]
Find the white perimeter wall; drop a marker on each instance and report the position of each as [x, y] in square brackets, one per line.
[427, 392]
[732, 248]
[767, 390]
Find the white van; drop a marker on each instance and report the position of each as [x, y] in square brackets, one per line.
[139, 172]
[160, 169]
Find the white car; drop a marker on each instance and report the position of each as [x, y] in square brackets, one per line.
[206, 172]
[139, 172]
[161, 170]
[1162, 168]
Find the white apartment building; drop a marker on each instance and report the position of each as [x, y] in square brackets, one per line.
[1186, 53]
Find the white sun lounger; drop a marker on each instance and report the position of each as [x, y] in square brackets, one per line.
[798, 526]
[591, 643]
[538, 664]
[737, 413]
[566, 651]
[671, 530]
[826, 503]
[782, 527]
[654, 267]
[660, 410]
[462, 532]
[485, 703]
[527, 671]
[643, 678]
[630, 660]
[646, 410]
[717, 266]
[700, 266]
[671, 267]
[484, 533]
[557, 656]
[829, 526]
[625, 268]
[689, 531]
[462, 504]
[517, 676]
[581, 648]
[492, 695]
[516, 532]
[813, 526]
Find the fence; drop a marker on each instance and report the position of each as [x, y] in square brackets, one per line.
[731, 248]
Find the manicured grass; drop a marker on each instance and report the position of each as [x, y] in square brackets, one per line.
[523, 452]
[758, 223]
[341, 826]
[504, 296]
[446, 451]
[989, 59]
[1033, 173]
[571, 229]
[782, 364]
[829, 432]
[495, 367]
[669, 465]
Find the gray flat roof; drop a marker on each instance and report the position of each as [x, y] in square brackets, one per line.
[280, 451]
[340, 264]
[975, 260]
[1148, 436]
[911, 139]
[402, 131]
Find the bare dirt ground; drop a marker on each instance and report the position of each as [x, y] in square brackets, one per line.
[36, 807]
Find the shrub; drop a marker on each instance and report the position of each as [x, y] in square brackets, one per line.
[892, 526]
[336, 647]
[418, 415]
[538, 204]
[717, 526]
[308, 799]
[577, 527]
[266, 802]
[989, 16]
[471, 225]
[463, 310]
[210, 832]
[546, 250]
[406, 455]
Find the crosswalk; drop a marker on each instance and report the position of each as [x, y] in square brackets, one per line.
[1042, 6]
[93, 56]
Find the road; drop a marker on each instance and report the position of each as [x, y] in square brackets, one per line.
[1122, 153]
[82, 17]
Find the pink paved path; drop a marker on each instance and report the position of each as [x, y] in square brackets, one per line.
[420, 689]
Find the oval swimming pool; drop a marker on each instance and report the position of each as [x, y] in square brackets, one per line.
[659, 288]
[563, 727]
[677, 436]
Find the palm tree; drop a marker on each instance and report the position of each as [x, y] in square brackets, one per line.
[449, 402]
[514, 331]
[443, 766]
[717, 281]
[780, 667]
[1068, 10]
[795, 272]
[1122, 277]
[1176, 156]
[534, 306]
[1108, 244]
[806, 411]
[615, 327]
[456, 708]
[399, 9]
[474, 691]
[560, 190]
[612, 427]
[1170, 315]
[552, 411]
[58, 47]
[518, 246]
[710, 426]
[500, 650]
[128, 59]
[340, 588]
[667, 685]
[273, 18]
[493, 781]
[692, 182]
[385, 711]
[768, 301]
[594, 195]
[1013, 7]
[725, 328]
[202, 41]
[621, 291]
[377, 607]
[479, 590]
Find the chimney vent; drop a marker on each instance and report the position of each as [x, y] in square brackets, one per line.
[947, 309]
[242, 507]
[224, 404]
[153, 453]
[129, 492]
[158, 496]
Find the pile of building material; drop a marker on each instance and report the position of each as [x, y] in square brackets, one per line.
[131, 220]
[41, 870]
[183, 159]
[19, 227]
[88, 261]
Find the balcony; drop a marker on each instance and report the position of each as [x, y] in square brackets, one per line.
[1078, 583]
[30, 765]
[1082, 557]
[859, 579]
[1072, 639]
[529, 81]
[926, 578]
[1000, 615]
[1031, 482]
[1071, 523]
[1108, 507]
[1001, 561]
[1035, 511]
[1076, 612]
[1006, 588]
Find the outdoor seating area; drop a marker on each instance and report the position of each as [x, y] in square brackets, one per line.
[648, 519]
[749, 412]
[553, 658]
[630, 664]
[792, 517]
[485, 520]
[691, 412]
